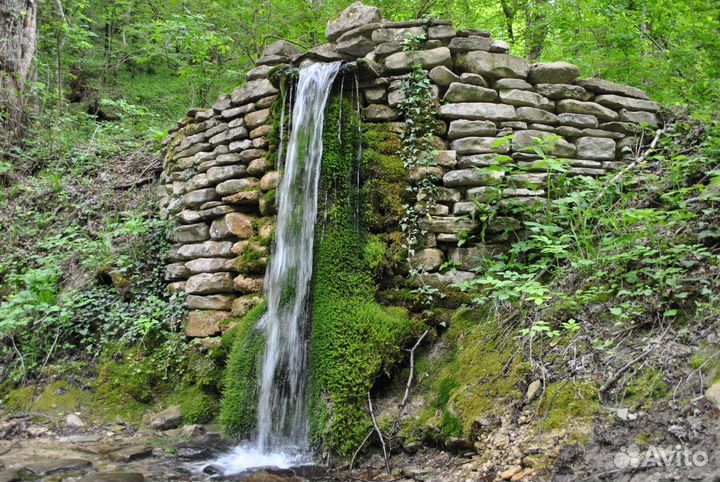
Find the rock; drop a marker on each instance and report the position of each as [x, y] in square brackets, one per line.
[595, 148]
[73, 421]
[239, 224]
[243, 304]
[509, 84]
[563, 91]
[509, 473]
[523, 140]
[380, 113]
[443, 76]
[398, 34]
[414, 472]
[531, 114]
[428, 259]
[246, 284]
[204, 323]
[257, 166]
[468, 44]
[357, 42]
[471, 177]
[578, 120]
[479, 145]
[458, 444]
[526, 98]
[354, 16]
[599, 86]
[470, 258]
[210, 302]
[499, 46]
[138, 452]
[191, 233]
[208, 249]
[572, 106]
[470, 128]
[257, 118]
[209, 283]
[199, 197]
[493, 65]
[259, 72]
[458, 92]
[477, 111]
[442, 281]
[553, 73]
[618, 102]
[281, 48]
[233, 186]
[404, 61]
[114, 477]
[713, 394]
[252, 91]
[270, 180]
[446, 159]
[223, 173]
[42, 469]
[433, 173]
[533, 391]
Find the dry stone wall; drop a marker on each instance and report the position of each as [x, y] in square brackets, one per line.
[218, 180]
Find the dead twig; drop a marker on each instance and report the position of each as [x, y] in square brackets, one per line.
[367, 437]
[379, 432]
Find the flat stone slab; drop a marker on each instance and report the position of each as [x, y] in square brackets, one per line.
[79, 439]
[10, 476]
[115, 477]
[131, 453]
[54, 466]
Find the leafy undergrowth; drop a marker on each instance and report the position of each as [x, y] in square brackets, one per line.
[608, 298]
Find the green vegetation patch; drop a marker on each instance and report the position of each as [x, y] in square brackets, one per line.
[238, 409]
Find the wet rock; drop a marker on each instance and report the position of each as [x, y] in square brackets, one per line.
[132, 453]
[49, 467]
[354, 16]
[114, 477]
[167, 419]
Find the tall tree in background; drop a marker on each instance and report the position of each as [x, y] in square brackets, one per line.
[18, 28]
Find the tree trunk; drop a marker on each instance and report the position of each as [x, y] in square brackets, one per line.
[536, 29]
[18, 22]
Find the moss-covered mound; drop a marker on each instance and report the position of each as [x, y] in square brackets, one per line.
[353, 338]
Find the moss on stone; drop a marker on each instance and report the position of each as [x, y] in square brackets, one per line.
[238, 409]
[353, 338]
[197, 406]
[565, 403]
[253, 259]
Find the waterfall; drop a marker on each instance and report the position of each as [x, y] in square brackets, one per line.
[282, 417]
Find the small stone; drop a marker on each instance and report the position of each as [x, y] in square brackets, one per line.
[243, 304]
[428, 259]
[257, 166]
[533, 390]
[73, 421]
[191, 233]
[133, 453]
[443, 76]
[578, 120]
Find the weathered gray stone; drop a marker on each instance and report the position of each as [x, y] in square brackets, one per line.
[204, 323]
[404, 61]
[640, 117]
[458, 92]
[376, 95]
[428, 259]
[477, 160]
[471, 177]
[563, 91]
[250, 154]
[447, 195]
[257, 118]
[239, 224]
[232, 186]
[713, 394]
[446, 159]
[612, 134]
[396, 34]
[387, 48]
[207, 249]
[252, 91]
[596, 148]
[209, 283]
[239, 111]
[618, 102]
[42, 469]
[468, 44]
[257, 166]
[239, 146]
[493, 65]
[526, 98]
[223, 173]
[380, 113]
[443, 76]
[201, 196]
[553, 73]
[468, 258]
[578, 120]
[167, 419]
[281, 49]
[470, 128]
[499, 46]
[432, 173]
[210, 302]
[473, 79]
[442, 281]
[259, 72]
[176, 271]
[477, 111]
[599, 86]
[509, 84]
[572, 106]
[531, 114]
[191, 233]
[441, 32]
[523, 140]
[354, 16]
[207, 265]
[479, 145]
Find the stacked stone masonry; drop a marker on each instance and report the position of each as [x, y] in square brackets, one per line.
[217, 175]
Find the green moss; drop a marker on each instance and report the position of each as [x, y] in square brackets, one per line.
[270, 196]
[18, 398]
[565, 403]
[196, 406]
[57, 397]
[353, 338]
[646, 387]
[253, 259]
[238, 409]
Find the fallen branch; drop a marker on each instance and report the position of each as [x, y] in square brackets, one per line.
[412, 373]
[614, 379]
[138, 182]
[379, 432]
[367, 437]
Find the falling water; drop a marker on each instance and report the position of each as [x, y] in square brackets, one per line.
[282, 420]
